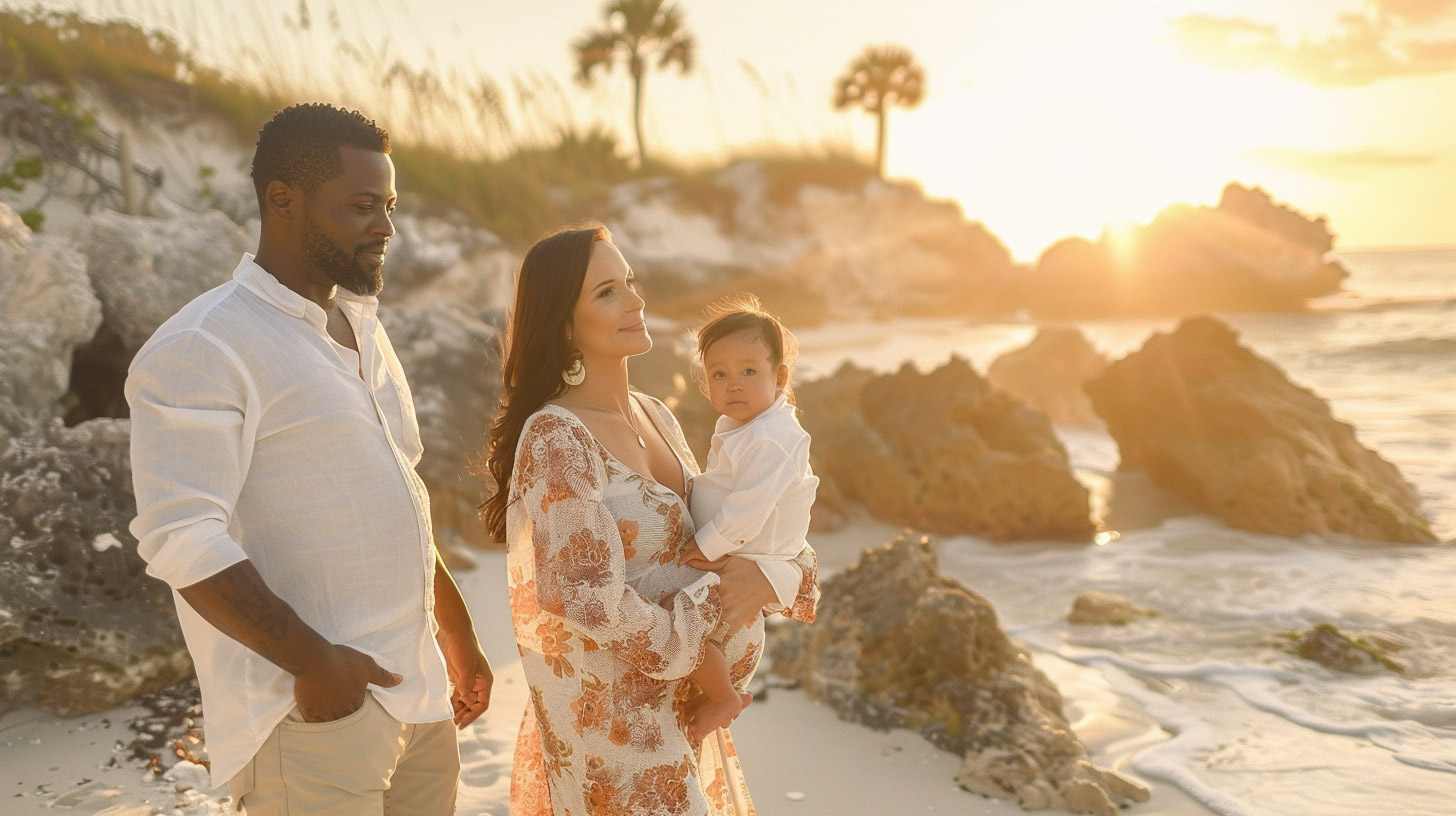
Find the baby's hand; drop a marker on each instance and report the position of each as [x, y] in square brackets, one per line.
[693, 557]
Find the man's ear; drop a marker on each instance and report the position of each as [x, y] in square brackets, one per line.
[283, 200]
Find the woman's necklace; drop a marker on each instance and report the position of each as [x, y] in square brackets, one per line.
[627, 418]
[631, 423]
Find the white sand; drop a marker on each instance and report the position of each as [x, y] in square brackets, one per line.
[798, 756]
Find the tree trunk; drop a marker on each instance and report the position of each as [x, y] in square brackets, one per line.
[880, 116]
[131, 199]
[637, 116]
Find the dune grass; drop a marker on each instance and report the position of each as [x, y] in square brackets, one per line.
[508, 163]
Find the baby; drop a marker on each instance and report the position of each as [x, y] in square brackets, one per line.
[753, 500]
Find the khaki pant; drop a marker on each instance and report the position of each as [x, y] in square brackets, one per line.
[367, 764]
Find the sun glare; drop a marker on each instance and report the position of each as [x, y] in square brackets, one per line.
[1075, 140]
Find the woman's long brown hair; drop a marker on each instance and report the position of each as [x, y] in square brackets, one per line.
[536, 351]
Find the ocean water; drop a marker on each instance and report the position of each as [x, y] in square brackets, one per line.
[1251, 728]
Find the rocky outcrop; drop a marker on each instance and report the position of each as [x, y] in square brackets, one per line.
[1214, 423]
[1100, 608]
[143, 270]
[1048, 374]
[146, 269]
[1188, 260]
[47, 309]
[1326, 645]
[897, 644]
[452, 363]
[811, 247]
[942, 452]
[1254, 205]
[436, 260]
[893, 250]
[81, 627]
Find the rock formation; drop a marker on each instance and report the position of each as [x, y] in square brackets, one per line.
[1188, 260]
[1254, 205]
[895, 251]
[47, 309]
[1214, 423]
[897, 644]
[452, 363]
[145, 269]
[1048, 374]
[810, 248]
[82, 628]
[942, 452]
[1327, 645]
[1093, 608]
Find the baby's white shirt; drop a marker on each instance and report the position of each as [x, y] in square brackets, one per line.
[754, 497]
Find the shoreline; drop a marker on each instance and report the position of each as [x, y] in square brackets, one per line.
[796, 753]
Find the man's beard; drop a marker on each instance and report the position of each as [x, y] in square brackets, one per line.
[342, 268]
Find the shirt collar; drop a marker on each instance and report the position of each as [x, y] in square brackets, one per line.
[727, 424]
[261, 282]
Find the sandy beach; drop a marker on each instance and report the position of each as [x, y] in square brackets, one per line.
[798, 756]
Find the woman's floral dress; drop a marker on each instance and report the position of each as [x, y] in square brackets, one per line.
[608, 626]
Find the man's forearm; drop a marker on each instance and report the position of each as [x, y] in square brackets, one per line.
[238, 603]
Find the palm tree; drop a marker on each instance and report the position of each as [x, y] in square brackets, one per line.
[879, 77]
[637, 32]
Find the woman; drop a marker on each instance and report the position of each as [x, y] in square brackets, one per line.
[592, 481]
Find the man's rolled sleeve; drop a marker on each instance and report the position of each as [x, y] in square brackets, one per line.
[191, 444]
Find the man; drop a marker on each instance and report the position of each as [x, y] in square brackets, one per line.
[273, 450]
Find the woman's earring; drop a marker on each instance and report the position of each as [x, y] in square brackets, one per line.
[575, 374]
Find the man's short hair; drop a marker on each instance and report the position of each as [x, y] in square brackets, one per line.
[300, 145]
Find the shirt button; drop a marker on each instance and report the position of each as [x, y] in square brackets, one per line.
[742, 541]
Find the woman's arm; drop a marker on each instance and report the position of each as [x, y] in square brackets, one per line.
[578, 565]
[465, 662]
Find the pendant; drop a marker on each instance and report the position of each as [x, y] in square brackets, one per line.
[641, 442]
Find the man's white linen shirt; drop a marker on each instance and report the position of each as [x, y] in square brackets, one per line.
[754, 497]
[255, 436]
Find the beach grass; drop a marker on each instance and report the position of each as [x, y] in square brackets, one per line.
[511, 155]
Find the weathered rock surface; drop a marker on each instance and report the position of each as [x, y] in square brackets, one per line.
[898, 644]
[891, 249]
[145, 269]
[1048, 374]
[1188, 260]
[47, 309]
[810, 248]
[81, 626]
[450, 360]
[435, 259]
[1214, 423]
[942, 452]
[1326, 645]
[1093, 608]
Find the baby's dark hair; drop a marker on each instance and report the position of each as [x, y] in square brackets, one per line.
[300, 145]
[734, 314]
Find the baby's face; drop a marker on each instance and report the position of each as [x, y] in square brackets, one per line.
[742, 381]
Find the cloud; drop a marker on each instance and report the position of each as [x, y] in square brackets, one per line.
[1414, 11]
[1346, 164]
[1391, 38]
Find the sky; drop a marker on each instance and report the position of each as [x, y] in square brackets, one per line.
[1043, 118]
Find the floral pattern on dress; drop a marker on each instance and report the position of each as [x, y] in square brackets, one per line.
[609, 626]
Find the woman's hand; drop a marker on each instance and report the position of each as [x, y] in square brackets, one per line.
[470, 676]
[693, 557]
[744, 591]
